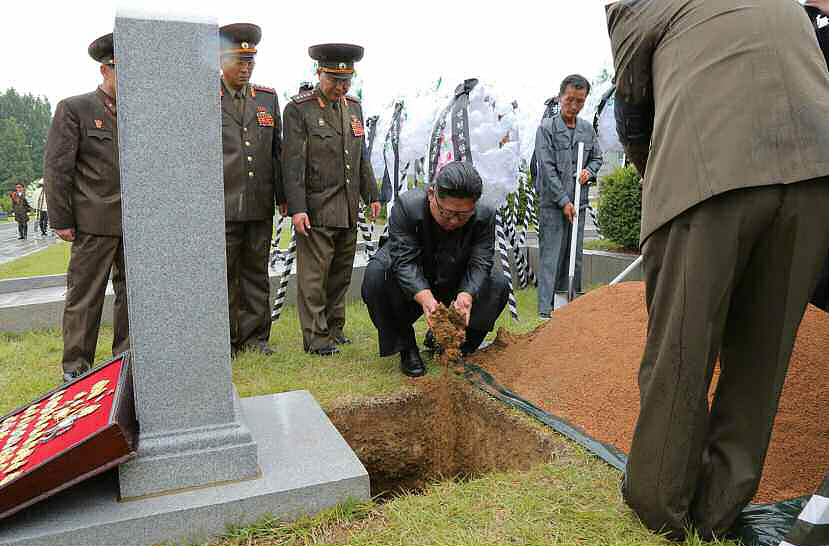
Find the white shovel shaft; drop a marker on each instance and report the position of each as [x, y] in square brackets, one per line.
[575, 232]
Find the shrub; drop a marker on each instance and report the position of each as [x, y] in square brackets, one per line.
[5, 204]
[619, 210]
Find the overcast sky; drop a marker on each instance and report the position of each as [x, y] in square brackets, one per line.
[524, 45]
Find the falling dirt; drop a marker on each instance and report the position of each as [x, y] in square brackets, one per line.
[397, 440]
[582, 365]
[449, 328]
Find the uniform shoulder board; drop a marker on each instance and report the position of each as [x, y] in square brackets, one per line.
[264, 89]
[303, 97]
[352, 99]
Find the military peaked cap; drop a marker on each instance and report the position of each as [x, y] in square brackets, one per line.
[336, 60]
[240, 39]
[103, 49]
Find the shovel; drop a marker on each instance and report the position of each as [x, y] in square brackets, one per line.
[571, 287]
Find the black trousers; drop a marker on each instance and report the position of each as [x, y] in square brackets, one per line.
[393, 313]
[44, 222]
[22, 229]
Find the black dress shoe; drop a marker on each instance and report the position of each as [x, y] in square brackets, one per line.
[411, 364]
[74, 374]
[328, 350]
[430, 343]
[340, 340]
[259, 347]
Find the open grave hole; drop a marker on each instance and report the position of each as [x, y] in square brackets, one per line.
[446, 429]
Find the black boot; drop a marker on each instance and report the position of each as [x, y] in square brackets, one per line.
[411, 364]
[473, 340]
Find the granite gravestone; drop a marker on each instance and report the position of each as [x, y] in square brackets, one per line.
[169, 140]
[196, 470]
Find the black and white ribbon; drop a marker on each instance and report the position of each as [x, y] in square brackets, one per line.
[276, 251]
[456, 116]
[282, 291]
[501, 240]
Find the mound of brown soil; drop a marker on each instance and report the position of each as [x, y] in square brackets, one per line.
[582, 365]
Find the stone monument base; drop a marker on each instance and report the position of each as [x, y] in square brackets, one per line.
[306, 467]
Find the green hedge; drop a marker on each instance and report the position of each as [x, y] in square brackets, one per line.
[619, 209]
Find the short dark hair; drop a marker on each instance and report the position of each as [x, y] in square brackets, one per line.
[574, 80]
[460, 180]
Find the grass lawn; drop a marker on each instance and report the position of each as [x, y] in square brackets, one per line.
[52, 260]
[573, 499]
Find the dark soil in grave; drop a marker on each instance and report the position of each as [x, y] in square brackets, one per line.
[445, 429]
[582, 365]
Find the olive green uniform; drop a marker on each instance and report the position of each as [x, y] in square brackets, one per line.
[326, 170]
[251, 143]
[722, 107]
[83, 191]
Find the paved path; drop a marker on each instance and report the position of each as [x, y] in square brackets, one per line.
[12, 248]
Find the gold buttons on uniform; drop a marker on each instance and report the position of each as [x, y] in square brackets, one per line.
[245, 129]
[348, 167]
[247, 143]
[250, 174]
[348, 181]
[250, 158]
[346, 152]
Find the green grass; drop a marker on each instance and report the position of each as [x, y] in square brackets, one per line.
[571, 500]
[52, 260]
[606, 245]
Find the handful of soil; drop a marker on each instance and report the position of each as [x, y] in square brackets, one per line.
[449, 328]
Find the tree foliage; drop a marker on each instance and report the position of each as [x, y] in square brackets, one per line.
[24, 122]
[619, 210]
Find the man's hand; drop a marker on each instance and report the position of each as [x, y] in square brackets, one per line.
[302, 224]
[569, 212]
[463, 303]
[584, 177]
[375, 209]
[283, 209]
[66, 234]
[428, 302]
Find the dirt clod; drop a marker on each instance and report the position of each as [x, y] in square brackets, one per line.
[449, 328]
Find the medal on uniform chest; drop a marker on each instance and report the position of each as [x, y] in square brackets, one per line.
[356, 126]
[263, 117]
[99, 123]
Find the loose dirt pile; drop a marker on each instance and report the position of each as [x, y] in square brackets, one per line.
[582, 365]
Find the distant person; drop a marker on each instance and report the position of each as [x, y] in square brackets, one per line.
[83, 191]
[722, 107]
[556, 150]
[440, 250]
[39, 198]
[327, 170]
[21, 210]
[252, 143]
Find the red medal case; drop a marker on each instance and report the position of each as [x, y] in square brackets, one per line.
[71, 433]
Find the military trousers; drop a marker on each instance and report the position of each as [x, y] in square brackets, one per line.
[728, 278]
[393, 313]
[91, 260]
[248, 286]
[325, 260]
[554, 237]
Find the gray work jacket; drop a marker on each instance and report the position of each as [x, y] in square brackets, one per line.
[557, 158]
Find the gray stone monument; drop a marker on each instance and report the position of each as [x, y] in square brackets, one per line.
[205, 458]
[170, 143]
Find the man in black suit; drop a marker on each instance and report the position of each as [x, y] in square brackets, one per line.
[440, 249]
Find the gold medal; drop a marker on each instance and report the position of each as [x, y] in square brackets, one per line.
[87, 410]
[14, 466]
[9, 478]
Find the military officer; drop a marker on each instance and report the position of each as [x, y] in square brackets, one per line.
[721, 106]
[251, 141]
[83, 192]
[326, 171]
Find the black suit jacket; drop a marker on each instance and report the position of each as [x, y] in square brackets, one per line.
[421, 255]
